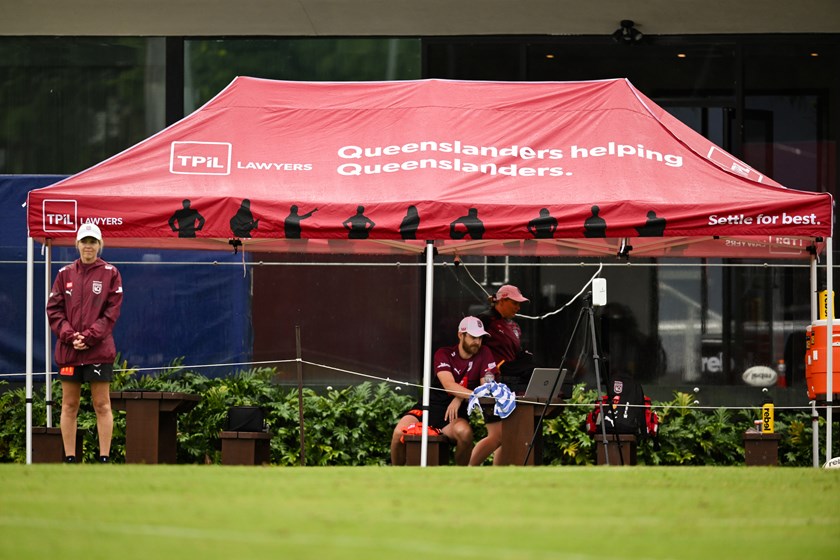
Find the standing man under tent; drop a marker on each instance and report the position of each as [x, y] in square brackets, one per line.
[515, 364]
[83, 306]
[458, 370]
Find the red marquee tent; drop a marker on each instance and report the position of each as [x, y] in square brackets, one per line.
[540, 169]
[466, 164]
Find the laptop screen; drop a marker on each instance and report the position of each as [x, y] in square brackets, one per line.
[543, 380]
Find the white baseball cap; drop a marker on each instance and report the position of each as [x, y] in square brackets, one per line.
[89, 230]
[472, 326]
[509, 291]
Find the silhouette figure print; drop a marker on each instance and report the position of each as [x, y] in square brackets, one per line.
[467, 226]
[410, 223]
[291, 225]
[186, 219]
[243, 222]
[358, 225]
[654, 227]
[594, 225]
[543, 226]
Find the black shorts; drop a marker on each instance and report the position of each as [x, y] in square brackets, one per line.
[489, 416]
[87, 372]
[437, 412]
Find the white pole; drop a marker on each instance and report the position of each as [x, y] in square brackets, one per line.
[815, 428]
[30, 276]
[815, 419]
[427, 349]
[47, 338]
[829, 328]
[814, 275]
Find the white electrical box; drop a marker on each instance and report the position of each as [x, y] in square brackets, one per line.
[599, 291]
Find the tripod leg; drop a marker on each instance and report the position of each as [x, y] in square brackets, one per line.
[554, 387]
[596, 358]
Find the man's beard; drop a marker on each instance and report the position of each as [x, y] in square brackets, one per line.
[470, 348]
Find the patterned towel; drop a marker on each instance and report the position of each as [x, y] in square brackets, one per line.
[505, 399]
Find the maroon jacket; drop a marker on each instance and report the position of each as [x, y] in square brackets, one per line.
[85, 299]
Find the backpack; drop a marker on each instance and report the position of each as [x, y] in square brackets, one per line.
[627, 410]
[416, 429]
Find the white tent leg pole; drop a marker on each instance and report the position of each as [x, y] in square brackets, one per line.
[829, 366]
[30, 257]
[427, 349]
[814, 283]
[815, 426]
[47, 339]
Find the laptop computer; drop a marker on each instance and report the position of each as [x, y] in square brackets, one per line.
[542, 381]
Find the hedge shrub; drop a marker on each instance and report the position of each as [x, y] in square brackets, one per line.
[353, 425]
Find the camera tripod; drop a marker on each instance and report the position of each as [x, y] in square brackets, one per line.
[586, 315]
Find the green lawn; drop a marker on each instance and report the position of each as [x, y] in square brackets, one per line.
[646, 513]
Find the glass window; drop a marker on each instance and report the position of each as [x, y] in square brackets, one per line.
[788, 101]
[658, 68]
[213, 64]
[68, 103]
[474, 60]
[781, 138]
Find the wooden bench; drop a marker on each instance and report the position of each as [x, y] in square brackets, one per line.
[626, 445]
[48, 446]
[761, 450]
[246, 448]
[437, 451]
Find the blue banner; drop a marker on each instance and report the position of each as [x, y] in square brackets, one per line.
[193, 305]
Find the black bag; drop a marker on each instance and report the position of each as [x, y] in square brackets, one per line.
[626, 409]
[245, 419]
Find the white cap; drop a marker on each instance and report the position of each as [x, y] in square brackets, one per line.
[473, 326]
[88, 230]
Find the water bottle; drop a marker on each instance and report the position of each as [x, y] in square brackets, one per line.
[488, 377]
[767, 416]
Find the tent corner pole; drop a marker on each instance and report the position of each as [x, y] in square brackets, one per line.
[47, 335]
[30, 279]
[829, 389]
[427, 348]
[814, 288]
[815, 427]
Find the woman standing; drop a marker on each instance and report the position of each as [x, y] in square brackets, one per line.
[505, 342]
[83, 306]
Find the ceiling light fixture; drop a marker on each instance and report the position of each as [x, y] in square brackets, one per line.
[627, 33]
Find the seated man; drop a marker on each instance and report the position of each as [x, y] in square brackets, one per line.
[458, 370]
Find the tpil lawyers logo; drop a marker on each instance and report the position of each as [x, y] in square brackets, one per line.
[200, 158]
[59, 215]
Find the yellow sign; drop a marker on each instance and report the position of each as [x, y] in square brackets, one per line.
[767, 419]
[824, 305]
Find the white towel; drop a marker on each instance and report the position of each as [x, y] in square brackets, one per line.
[505, 398]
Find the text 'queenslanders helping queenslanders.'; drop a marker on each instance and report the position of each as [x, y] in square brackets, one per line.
[467, 158]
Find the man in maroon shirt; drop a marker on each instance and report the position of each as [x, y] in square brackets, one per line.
[515, 365]
[458, 370]
[505, 342]
[82, 308]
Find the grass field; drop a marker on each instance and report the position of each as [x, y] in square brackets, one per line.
[646, 513]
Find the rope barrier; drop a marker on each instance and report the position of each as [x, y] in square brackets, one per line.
[410, 384]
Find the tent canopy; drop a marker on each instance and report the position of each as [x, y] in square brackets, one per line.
[543, 169]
